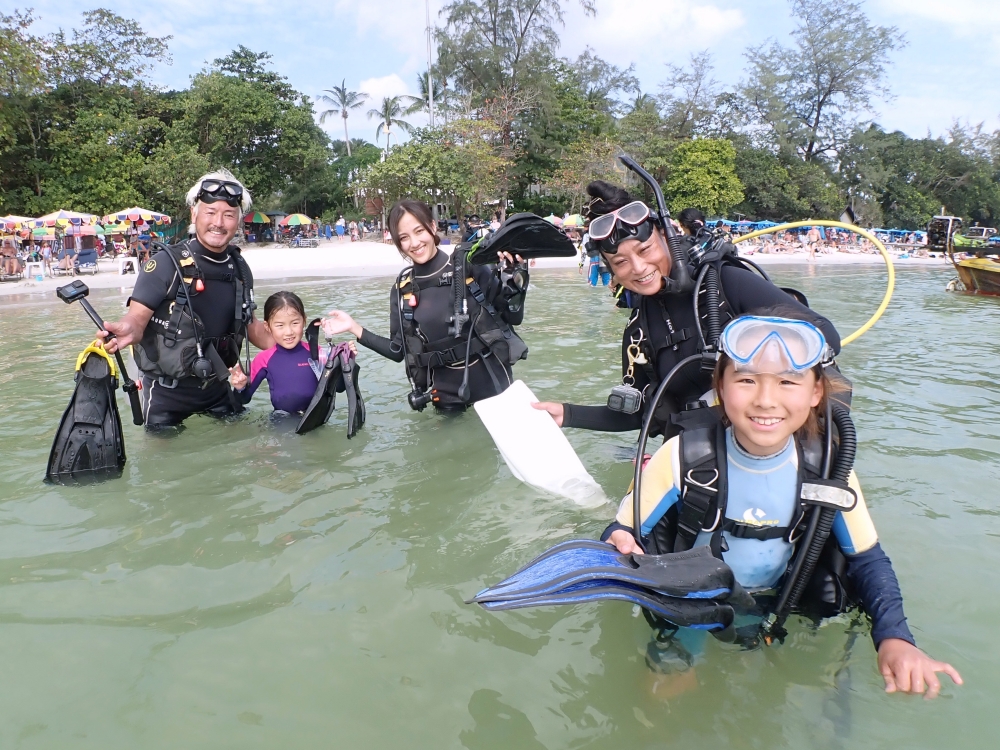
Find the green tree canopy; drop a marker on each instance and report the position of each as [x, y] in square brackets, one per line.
[702, 174]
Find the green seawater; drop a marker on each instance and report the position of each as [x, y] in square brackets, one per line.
[244, 587]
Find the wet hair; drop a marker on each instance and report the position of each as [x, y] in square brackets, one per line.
[280, 301]
[604, 198]
[419, 211]
[831, 387]
[692, 220]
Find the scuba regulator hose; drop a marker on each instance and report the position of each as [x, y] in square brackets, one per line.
[640, 453]
[820, 522]
[890, 285]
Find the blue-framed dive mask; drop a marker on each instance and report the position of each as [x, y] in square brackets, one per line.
[762, 344]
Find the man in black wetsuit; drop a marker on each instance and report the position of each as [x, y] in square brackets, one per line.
[662, 328]
[184, 357]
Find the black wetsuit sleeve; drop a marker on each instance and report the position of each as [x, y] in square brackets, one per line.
[392, 347]
[152, 286]
[600, 418]
[876, 586]
[746, 292]
[615, 526]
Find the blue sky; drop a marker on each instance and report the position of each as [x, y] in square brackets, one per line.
[948, 71]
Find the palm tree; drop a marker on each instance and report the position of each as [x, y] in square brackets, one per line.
[391, 109]
[421, 103]
[343, 102]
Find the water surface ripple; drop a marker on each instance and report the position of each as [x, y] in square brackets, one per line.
[244, 587]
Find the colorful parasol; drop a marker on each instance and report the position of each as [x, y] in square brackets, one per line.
[553, 219]
[574, 221]
[256, 217]
[135, 215]
[87, 229]
[14, 223]
[296, 220]
[62, 218]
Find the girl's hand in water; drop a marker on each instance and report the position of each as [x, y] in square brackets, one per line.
[555, 410]
[624, 542]
[907, 669]
[340, 322]
[237, 378]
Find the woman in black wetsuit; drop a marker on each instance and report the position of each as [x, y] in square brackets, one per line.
[662, 329]
[448, 365]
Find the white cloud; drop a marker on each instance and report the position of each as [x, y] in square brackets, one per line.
[403, 22]
[649, 32]
[967, 16]
[379, 88]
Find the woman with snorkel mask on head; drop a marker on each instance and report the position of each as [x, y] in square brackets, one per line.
[650, 262]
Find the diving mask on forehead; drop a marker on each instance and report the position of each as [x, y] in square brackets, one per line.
[630, 222]
[773, 345]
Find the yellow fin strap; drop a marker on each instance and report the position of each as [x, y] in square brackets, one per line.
[96, 348]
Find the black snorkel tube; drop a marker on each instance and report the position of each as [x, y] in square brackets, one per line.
[680, 280]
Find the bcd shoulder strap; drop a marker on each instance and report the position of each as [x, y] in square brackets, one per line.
[702, 480]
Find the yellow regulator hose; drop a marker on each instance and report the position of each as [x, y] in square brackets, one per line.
[890, 286]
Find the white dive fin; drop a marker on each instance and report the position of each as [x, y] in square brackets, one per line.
[535, 449]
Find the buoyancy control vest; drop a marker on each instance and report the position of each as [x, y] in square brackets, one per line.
[174, 345]
[704, 493]
[476, 327]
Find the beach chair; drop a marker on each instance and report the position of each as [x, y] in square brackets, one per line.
[86, 261]
[16, 275]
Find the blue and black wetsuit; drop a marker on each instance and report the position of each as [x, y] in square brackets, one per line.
[763, 492]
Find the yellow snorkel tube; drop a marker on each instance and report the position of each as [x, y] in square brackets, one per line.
[890, 286]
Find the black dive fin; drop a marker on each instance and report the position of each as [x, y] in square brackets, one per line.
[527, 235]
[89, 445]
[312, 337]
[355, 402]
[324, 399]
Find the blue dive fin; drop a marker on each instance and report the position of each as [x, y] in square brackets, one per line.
[695, 574]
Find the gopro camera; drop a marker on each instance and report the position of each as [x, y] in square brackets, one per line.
[72, 292]
[625, 398]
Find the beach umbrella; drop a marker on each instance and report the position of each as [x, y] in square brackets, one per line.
[13, 223]
[553, 219]
[256, 217]
[573, 221]
[86, 230]
[62, 218]
[43, 233]
[135, 215]
[296, 220]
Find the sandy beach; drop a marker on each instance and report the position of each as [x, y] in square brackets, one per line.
[341, 258]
